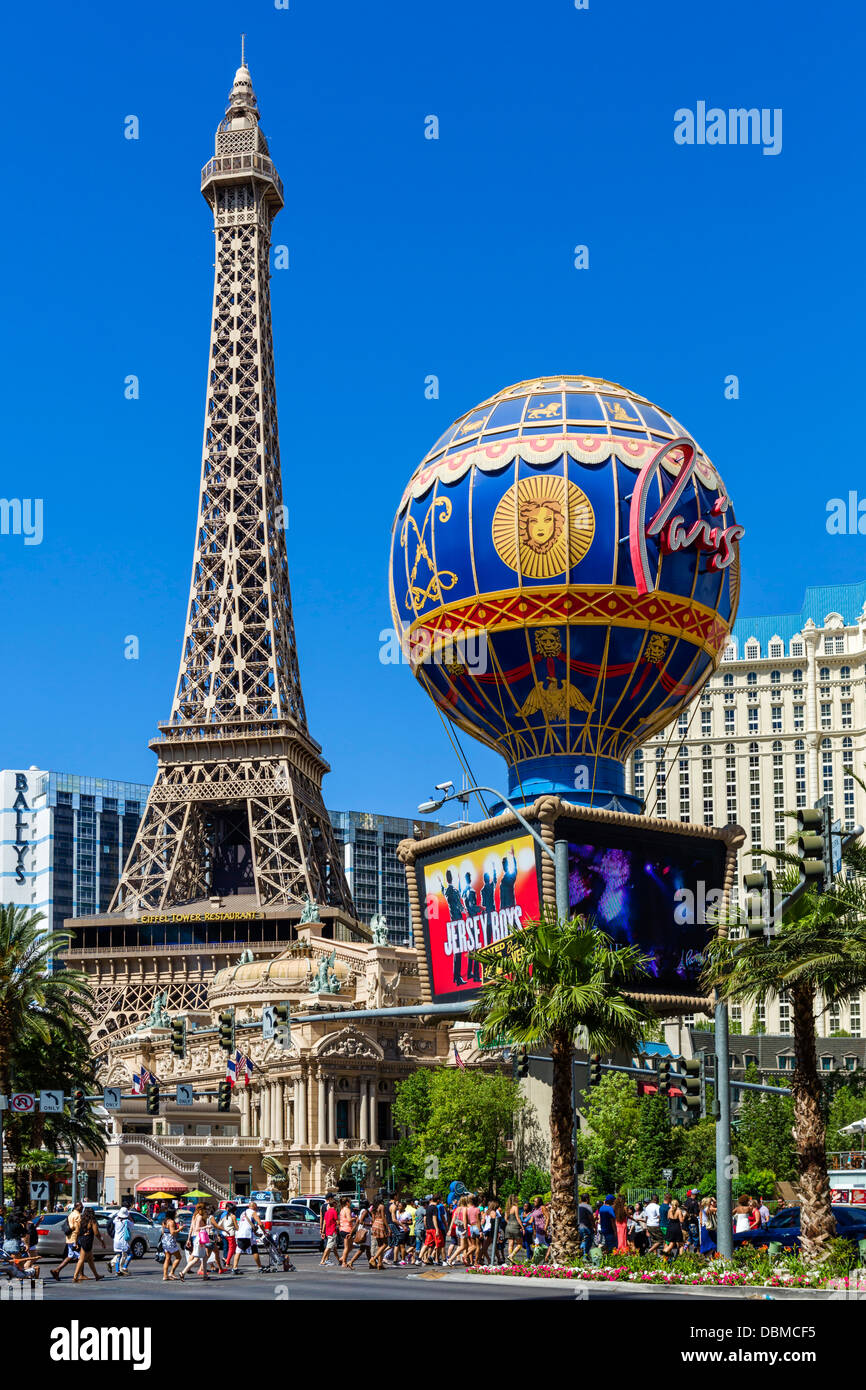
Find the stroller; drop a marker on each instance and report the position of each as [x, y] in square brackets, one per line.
[275, 1261]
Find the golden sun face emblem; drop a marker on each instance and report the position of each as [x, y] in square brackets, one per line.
[543, 526]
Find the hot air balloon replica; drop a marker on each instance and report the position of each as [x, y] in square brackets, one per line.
[564, 576]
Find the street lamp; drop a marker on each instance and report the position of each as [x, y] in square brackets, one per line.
[359, 1171]
[559, 854]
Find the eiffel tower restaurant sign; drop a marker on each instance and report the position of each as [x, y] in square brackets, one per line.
[580, 530]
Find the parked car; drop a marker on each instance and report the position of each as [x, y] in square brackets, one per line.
[292, 1226]
[51, 1242]
[784, 1227]
[145, 1232]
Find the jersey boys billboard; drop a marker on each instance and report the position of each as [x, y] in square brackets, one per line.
[478, 896]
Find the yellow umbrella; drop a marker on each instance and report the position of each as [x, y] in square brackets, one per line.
[162, 1196]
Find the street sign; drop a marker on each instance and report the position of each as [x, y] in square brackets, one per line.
[501, 1040]
[185, 1093]
[4, 1103]
[667, 1174]
[269, 1021]
[836, 847]
[51, 1102]
[111, 1097]
[39, 1192]
[23, 1103]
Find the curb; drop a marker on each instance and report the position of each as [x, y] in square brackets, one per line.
[763, 1292]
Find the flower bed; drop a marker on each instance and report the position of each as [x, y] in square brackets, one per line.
[715, 1275]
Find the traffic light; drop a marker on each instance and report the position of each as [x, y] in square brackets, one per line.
[283, 1025]
[224, 1097]
[80, 1106]
[664, 1077]
[759, 900]
[594, 1069]
[693, 1089]
[522, 1062]
[152, 1099]
[178, 1037]
[814, 848]
[227, 1030]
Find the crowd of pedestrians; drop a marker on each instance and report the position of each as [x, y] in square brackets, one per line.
[398, 1231]
[666, 1228]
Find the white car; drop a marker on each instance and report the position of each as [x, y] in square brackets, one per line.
[291, 1225]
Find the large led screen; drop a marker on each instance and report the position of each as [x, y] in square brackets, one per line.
[659, 892]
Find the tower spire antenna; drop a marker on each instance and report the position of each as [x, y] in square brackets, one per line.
[243, 59]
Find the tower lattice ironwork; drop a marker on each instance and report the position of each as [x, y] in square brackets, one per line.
[237, 803]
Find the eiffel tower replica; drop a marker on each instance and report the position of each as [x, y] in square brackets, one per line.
[236, 807]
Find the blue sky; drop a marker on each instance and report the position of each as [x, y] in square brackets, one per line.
[407, 257]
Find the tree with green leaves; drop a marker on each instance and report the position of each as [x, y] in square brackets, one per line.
[818, 948]
[43, 1036]
[654, 1148]
[563, 980]
[456, 1124]
[765, 1126]
[608, 1139]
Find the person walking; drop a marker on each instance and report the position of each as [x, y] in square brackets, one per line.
[215, 1235]
[249, 1227]
[229, 1228]
[652, 1212]
[585, 1225]
[88, 1231]
[620, 1216]
[346, 1225]
[379, 1232]
[674, 1229]
[708, 1226]
[122, 1241]
[329, 1225]
[70, 1233]
[607, 1224]
[513, 1229]
[457, 1234]
[361, 1237]
[170, 1247]
[418, 1229]
[198, 1243]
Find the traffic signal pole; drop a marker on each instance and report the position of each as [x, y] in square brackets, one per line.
[724, 1202]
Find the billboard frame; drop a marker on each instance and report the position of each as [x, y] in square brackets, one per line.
[554, 818]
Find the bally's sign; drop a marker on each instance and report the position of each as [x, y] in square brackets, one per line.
[20, 844]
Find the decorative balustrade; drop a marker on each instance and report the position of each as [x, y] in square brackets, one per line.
[241, 164]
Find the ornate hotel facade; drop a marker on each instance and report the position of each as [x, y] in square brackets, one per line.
[773, 730]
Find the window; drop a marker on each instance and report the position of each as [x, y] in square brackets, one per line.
[826, 1063]
[776, 649]
[753, 650]
[799, 721]
[776, 718]
[706, 723]
[730, 721]
[786, 1062]
[797, 647]
[850, 1063]
[727, 679]
[752, 678]
[750, 1060]
[753, 719]
[775, 676]
[847, 718]
[824, 673]
[826, 716]
[785, 1024]
[854, 1018]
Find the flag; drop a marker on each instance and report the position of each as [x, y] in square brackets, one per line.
[136, 1084]
[231, 1069]
[147, 1078]
[458, 1059]
[245, 1066]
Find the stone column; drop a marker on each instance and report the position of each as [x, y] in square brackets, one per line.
[266, 1111]
[301, 1111]
[332, 1109]
[363, 1118]
[374, 1119]
[279, 1112]
[323, 1113]
[244, 1108]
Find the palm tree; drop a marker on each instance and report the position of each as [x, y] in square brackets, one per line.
[563, 978]
[819, 948]
[40, 1007]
